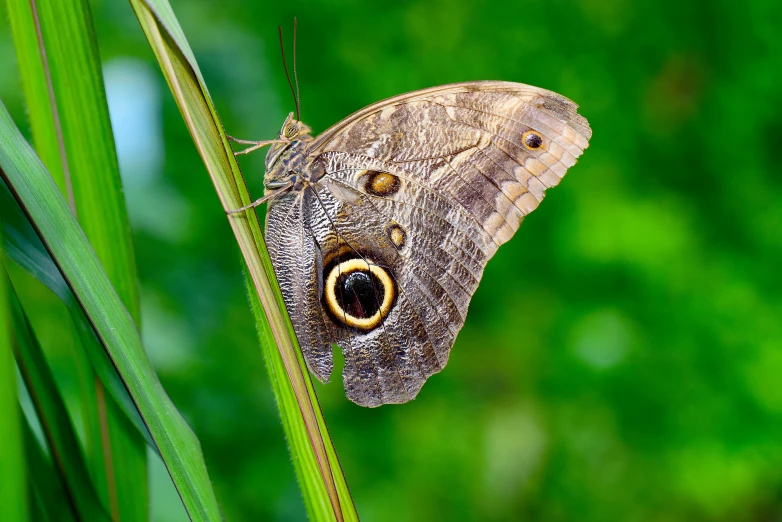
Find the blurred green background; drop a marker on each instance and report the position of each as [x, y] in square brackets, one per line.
[622, 359]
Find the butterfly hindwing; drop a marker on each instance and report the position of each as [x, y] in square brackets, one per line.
[294, 253]
[383, 363]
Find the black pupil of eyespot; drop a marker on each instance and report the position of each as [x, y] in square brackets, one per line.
[360, 293]
[534, 141]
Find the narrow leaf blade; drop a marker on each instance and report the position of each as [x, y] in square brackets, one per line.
[320, 475]
[34, 189]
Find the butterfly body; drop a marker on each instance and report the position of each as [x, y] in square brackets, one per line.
[380, 228]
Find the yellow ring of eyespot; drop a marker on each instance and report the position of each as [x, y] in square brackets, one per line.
[353, 265]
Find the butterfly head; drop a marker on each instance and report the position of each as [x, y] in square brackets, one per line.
[293, 128]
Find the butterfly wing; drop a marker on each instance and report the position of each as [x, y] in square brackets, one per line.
[468, 141]
[423, 187]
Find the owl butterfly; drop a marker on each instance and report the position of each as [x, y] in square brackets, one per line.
[380, 228]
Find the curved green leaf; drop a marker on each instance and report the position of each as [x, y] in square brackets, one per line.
[20, 244]
[61, 76]
[40, 199]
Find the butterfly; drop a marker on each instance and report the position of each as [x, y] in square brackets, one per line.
[379, 229]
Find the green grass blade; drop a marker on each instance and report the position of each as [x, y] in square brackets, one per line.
[67, 102]
[36, 85]
[61, 77]
[12, 468]
[64, 89]
[318, 470]
[50, 408]
[34, 189]
[46, 491]
[21, 244]
[315, 498]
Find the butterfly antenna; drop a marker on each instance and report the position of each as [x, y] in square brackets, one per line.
[287, 74]
[296, 76]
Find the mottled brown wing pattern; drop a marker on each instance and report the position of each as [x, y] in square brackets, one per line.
[390, 363]
[294, 255]
[466, 141]
[423, 188]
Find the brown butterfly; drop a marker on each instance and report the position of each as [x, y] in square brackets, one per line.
[379, 229]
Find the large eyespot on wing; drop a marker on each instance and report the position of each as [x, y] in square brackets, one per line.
[358, 293]
[492, 147]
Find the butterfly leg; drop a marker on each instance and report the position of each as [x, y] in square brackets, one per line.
[255, 144]
[264, 199]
